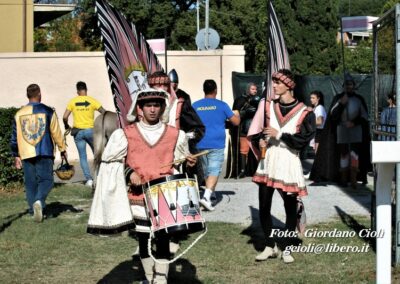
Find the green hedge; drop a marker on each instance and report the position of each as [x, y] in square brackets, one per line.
[8, 174]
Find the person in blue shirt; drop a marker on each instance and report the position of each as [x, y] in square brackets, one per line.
[389, 119]
[213, 113]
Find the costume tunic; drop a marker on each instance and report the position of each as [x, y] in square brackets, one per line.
[150, 147]
[113, 210]
[281, 167]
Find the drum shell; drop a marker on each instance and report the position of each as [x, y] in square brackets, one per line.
[172, 204]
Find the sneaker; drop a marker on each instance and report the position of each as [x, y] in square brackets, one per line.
[37, 211]
[89, 183]
[286, 256]
[268, 252]
[207, 204]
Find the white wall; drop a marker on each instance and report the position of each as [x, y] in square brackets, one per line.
[57, 73]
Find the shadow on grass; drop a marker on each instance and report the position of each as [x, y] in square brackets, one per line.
[181, 271]
[125, 272]
[10, 219]
[54, 209]
[352, 223]
[255, 232]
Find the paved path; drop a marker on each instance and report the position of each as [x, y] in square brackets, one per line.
[238, 201]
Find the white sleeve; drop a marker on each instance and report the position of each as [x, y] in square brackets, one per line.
[318, 111]
[182, 146]
[116, 147]
[323, 112]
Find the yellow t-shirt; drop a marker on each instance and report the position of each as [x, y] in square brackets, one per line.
[83, 108]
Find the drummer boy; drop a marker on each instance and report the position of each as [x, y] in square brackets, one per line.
[151, 145]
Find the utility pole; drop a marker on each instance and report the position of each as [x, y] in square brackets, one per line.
[206, 40]
[198, 15]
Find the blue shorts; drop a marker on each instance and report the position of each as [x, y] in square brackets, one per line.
[212, 162]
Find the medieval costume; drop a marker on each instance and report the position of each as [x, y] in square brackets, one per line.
[294, 126]
[241, 162]
[145, 148]
[344, 150]
[182, 116]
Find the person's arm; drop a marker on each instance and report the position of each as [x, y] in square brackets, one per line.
[182, 147]
[56, 135]
[65, 119]
[319, 121]
[101, 110]
[14, 146]
[296, 141]
[191, 122]
[235, 118]
[338, 105]
[182, 150]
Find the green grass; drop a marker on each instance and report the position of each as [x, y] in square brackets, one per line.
[59, 251]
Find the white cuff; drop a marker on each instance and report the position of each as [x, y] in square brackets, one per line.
[279, 135]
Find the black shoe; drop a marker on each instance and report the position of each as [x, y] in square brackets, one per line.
[242, 175]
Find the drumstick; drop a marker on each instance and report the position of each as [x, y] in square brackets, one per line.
[205, 152]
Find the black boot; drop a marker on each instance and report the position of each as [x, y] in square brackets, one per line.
[243, 160]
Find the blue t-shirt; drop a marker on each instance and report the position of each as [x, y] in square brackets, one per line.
[213, 114]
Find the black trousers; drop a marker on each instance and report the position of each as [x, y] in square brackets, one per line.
[265, 195]
[162, 246]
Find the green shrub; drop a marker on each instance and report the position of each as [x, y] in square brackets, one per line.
[8, 174]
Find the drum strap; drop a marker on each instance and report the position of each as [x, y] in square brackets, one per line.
[177, 257]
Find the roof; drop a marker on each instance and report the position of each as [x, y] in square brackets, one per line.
[44, 13]
[358, 24]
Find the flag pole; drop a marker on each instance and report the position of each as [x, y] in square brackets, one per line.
[342, 40]
[268, 71]
[165, 51]
[268, 62]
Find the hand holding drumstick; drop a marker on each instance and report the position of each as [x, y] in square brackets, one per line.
[191, 159]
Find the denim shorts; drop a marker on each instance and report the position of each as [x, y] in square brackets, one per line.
[212, 162]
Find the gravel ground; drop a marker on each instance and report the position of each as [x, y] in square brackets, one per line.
[238, 203]
[238, 200]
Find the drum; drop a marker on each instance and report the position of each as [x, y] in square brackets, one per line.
[173, 205]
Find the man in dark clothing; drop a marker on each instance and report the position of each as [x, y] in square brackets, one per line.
[344, 151]
[245, 164]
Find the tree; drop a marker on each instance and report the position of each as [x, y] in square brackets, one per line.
[389, 4]
[177, 20]
[360, 8]
[61, 35]
[358, 60]
[310, 28]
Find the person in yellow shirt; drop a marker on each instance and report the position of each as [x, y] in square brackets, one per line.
[82, 108]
